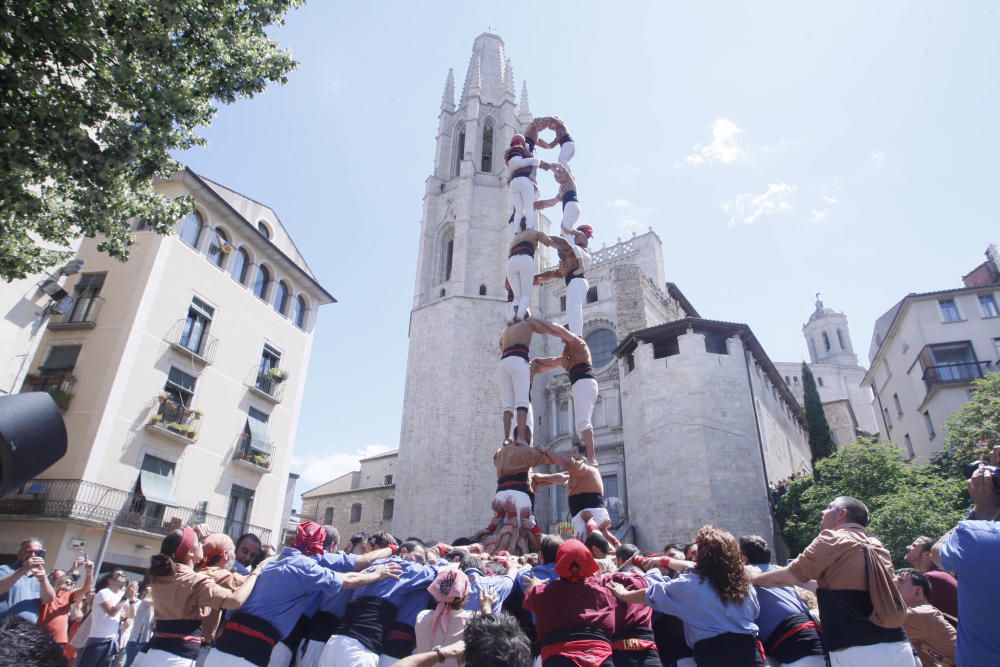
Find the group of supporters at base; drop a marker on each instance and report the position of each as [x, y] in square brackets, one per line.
[715, 603]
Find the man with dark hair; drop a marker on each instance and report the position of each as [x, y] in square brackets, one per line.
[789, 634]
[25, 644]
[495, 639]
[359, 543]
[600, 550]
[837, 559]
[332, 542]
[23, 586]
[624, 554]
[932, 636]
[944, 588]
[247, 549]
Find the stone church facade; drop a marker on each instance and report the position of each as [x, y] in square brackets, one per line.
[692, 418]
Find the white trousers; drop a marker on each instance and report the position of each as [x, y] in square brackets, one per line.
[571, 216]
[281, 656]
[584, 396]
[522, 506]
[515, 384]
[599, 515]
[522, 189]
[309, 652]
[217, 658]
[894, 654]
[157, 658]
[521, 276]
[808, 661]
[344, 651]
[686, 662]
[576, 295]
[566, 153]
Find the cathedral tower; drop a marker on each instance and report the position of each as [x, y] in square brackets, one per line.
[828, 337]
[451, 409]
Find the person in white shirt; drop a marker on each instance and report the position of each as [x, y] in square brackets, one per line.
[110, 605]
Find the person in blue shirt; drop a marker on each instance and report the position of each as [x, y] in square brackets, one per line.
[716, 602]
[500, 584]
[972, 551]
[787, 630]
[288, 586]
[23, 586]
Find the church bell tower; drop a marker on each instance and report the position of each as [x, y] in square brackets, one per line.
[451, 410]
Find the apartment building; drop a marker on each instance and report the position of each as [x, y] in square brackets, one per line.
[180, 375]
[925, 352]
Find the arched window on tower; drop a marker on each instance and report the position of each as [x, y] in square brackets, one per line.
[486, 165]
[449, 251]
[482, 290]
[840, 339]
[459, 149]
[826, 342]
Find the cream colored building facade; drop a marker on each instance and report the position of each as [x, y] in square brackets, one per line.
[925, 352]
[163, 371]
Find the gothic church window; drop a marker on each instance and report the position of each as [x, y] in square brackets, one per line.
[601, 343]
[840, 339]
[449, 251]
[592, 294]
[562, 418]
[826, 342]
[460, 149]
[487, 161]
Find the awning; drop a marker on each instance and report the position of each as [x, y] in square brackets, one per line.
[259, 438]
[157, 488]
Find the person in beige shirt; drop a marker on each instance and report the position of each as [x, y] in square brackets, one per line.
[931, 635]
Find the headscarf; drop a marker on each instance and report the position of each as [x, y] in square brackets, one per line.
[309, 538]
[574, 562]
[517, 140]
[587, 231]
[215, 546]
[448, 587]
[184, 548]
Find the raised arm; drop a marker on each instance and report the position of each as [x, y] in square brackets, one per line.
[637, 596]
[778, 576]
[88, 583]
[543, 238]
[560, 459]
[546, 203]
[549, 479]
[364, 561]
[546, 276]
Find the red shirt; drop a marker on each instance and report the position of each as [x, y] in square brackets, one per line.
[563, 604]
[630, 615]
[944, 591]
[54, 617]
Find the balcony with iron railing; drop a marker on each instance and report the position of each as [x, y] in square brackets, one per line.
[171, 418]
[91, 502]
[268, 383]
[193, 341]
[954, 373]
[83, 314]
[58, 384]
[254, 453]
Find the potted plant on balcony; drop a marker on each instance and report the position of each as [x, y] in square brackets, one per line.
[260, 459]
[277, 375]
[61, 397]
[156, 419]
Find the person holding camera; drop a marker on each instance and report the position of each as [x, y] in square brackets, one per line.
[54, 615]
[972, 550]
[23, 586]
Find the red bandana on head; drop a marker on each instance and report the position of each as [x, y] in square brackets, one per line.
[574, 562]
[309, 538]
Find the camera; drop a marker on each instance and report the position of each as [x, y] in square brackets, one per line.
[970, 468]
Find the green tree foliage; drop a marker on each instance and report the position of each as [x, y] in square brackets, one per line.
[972, 430]
[905, 501]
[96, 93]
[821, 442]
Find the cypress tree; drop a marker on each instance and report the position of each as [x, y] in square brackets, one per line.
[821, 442]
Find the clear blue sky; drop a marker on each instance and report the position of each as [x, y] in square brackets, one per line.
[777, 148]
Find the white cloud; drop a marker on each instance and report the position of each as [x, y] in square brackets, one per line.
[828, 199]
[724, 147]
[622, 204]
[321, 467]
[876, 156]
[748, 208]
[819, 215]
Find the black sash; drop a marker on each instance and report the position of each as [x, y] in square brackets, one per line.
[367, 620]
[568, 196]
[515, 350]
[296, 635]
[172, 637]
[845, 620]
[516, 482]
[248, 637]
[787, 644]
[728, 650]
[585, 501]
[574, 633]
[581, 371]
[523, 171]
[322, 625]
[522, 248]
[400, 641]
[564, 138]
[570, 276]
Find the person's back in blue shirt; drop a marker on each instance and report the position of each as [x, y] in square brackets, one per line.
[705, 615]
[776, 604]
[24, 597]
[972, 551]
[502, 585]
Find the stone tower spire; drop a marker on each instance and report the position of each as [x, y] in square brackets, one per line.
[448, 98]
[523, 110]
[459, 302]
[829, 337]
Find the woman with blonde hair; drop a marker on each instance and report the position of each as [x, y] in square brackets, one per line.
[716, 601]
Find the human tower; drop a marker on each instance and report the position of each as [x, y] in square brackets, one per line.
[513, 527]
